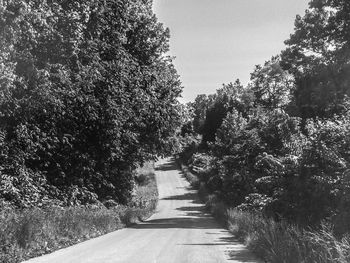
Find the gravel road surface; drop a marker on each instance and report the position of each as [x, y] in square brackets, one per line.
[179, 231]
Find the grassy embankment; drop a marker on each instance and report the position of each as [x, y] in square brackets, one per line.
[33, 232]
[275, 242]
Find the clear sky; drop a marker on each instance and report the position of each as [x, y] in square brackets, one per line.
[218, 41]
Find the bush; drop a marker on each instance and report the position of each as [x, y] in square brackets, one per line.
[264, 162]
[277, 242]
[200, 163]
[67, 113]
[31, 232]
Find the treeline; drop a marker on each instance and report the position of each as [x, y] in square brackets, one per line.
[87, 93]
[281, 145]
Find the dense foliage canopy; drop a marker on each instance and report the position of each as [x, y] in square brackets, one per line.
[281, 144]
[86, 93]
[318, 55]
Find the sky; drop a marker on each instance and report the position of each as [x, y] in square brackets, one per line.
[219, 41]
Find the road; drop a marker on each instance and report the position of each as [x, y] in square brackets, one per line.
[179, 231]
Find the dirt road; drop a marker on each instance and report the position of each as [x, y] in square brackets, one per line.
[178, 232]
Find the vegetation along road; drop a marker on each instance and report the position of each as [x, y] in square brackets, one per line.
[180, 231]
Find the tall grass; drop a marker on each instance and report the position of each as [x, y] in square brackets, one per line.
[32, 232]
[278, 242]
[37, 231]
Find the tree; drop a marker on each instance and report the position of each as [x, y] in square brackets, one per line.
[230, 96]
[88, 94]
[200, 107]
[271, 85]
[318, 56]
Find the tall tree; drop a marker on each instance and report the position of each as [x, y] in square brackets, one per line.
[200, 107]
[318, 55]
[227, 98]
[271, 85]
[89, 92]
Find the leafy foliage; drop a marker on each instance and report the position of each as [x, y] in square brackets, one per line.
[318, 56]
[278, 152]
[280, 242]
[271, 85]
[87, 93]
[31, 232]
[265, 162]
[280, 145]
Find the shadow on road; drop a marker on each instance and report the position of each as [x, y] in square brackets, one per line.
[167, 166]
[239, 254]
[195, 217]
[203, 222]
[243, 255]
[188, 196]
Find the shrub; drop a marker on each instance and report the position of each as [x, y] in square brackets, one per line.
[278, 242]
[30, 232]
[67, 113]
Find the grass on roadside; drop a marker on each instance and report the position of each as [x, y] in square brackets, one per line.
[36, 231]
[277, 242]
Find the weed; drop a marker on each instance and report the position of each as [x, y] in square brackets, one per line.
[279, 242]
[36, 231]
